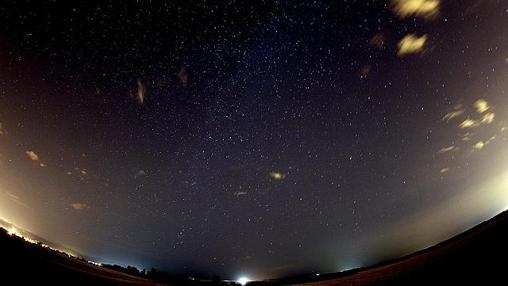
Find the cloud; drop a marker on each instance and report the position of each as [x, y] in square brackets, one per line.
[378, 40]
[482, 144]
[448, 149]
[481, 105]
[140, 173]
[479, 145]
[79, 206]
[467, 136]
[32, 155]
[411, 44]
[277, 175]
[183, 76]
[469, 123]
[141, 92]
[488, 118]
[426, 9]
[365, 70]
[238, 194]
[453, 114]
[16, 199]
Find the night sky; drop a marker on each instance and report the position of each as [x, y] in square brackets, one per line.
[252, 138]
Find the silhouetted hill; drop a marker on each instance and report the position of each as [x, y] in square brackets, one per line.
[23, 263]
[475, 257]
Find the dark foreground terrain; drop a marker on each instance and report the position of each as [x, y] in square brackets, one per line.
[23, 263]
[476, 257]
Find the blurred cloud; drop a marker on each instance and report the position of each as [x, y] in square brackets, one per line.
[140, 173]
[183, 77]
[481, 105]
[444, 170]
[411, 44]
[467, 136]
[426, 9]
[448, 149]
[479, 145]
[79, 206]
[32, 155]
[14, 198]
[488, 118]
[476, 134]
[469, 123]
[378, 40]
[453, 114]
[277, 175]
[365, 70]
[141, 92]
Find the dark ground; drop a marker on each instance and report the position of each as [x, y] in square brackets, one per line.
[476, 257]
[23, 263]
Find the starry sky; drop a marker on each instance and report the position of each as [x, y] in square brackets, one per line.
[257, 138]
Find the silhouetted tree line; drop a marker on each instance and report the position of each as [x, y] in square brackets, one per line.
[152, 274]
[165, 277]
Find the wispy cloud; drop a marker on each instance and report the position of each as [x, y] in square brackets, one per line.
[411, 44]
[458, 111]
[183, 76]
[467, 136]
[479, 145]
[427, 9]
[448, 149]
[277, 175]
[488, 118]
[141, 92]
[469, 123]
[140, 173]
[79, 206]
[378, 40]
[32, 155]
[16, 199]
[481, 105]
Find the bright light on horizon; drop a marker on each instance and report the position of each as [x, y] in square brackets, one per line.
[243, 280]
[12, 231]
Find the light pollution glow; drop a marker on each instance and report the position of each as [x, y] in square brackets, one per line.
[13, 231]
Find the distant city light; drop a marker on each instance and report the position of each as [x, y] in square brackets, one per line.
[243, 280]
[12, 231]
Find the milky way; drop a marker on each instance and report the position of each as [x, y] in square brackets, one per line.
[256, 138]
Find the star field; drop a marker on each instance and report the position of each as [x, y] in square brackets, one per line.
[261, 138]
